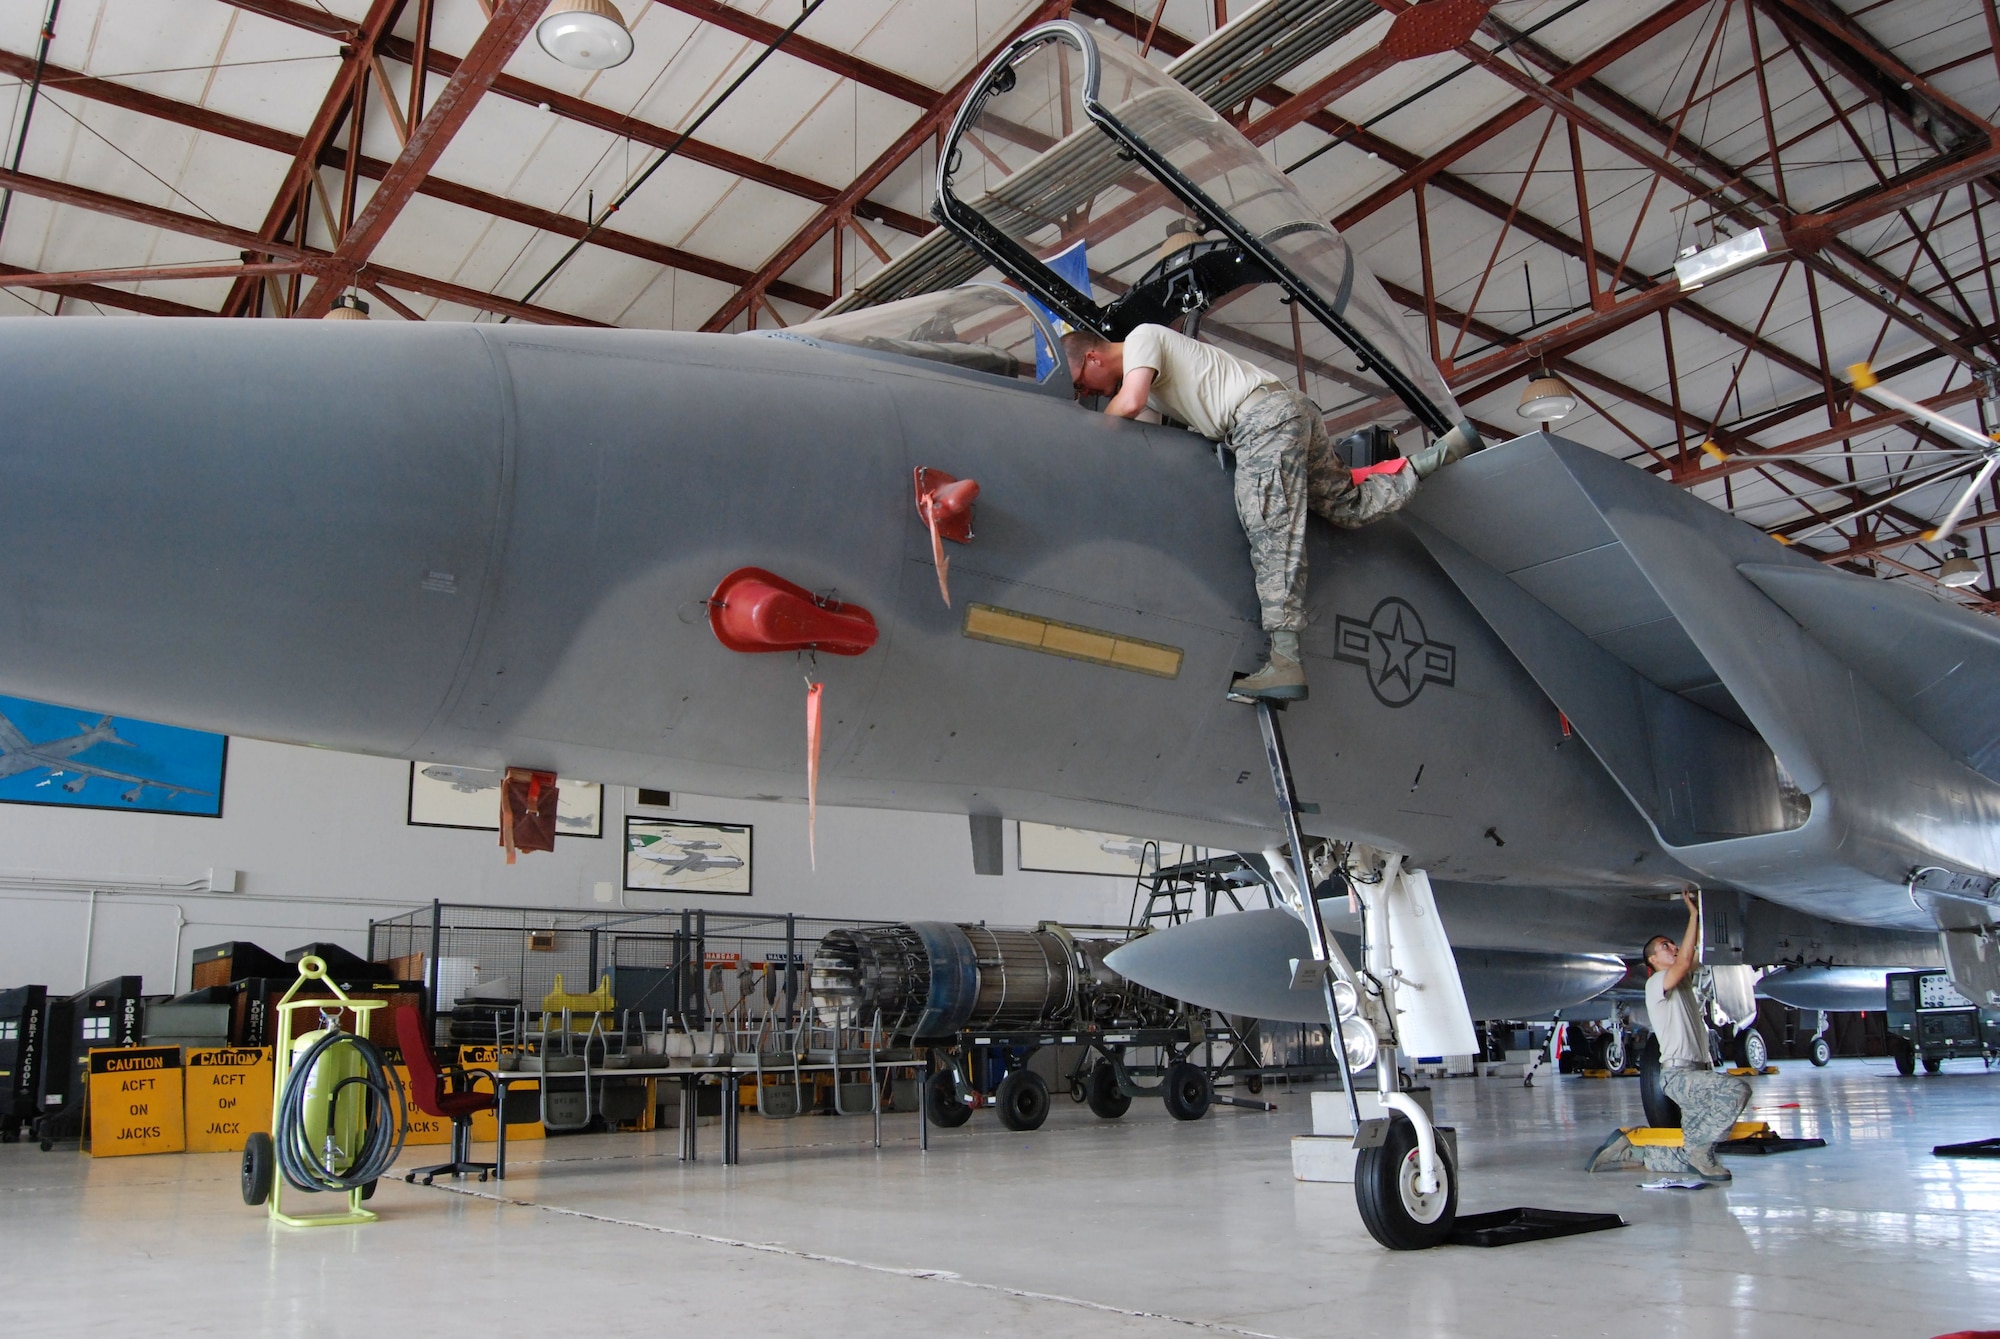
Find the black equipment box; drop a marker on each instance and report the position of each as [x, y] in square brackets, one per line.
[220, 964]
[253, 1013]
[341, 964]
[24, 1018]
[110, 1013]
[1930, 1020]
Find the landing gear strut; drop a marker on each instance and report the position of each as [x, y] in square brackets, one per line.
[1404, 1182]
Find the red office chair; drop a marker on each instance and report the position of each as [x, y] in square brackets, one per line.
[447, 1093]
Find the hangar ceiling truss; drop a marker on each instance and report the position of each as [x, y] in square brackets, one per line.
[1524, 196]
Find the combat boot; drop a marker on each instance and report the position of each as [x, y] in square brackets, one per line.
[1455, 445]
[1708, 1167]
[1283, 678]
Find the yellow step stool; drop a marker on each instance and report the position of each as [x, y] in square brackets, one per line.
[1615, 1152]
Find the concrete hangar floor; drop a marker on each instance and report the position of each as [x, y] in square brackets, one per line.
[1142, 1226]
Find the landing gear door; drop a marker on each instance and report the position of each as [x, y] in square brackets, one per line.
[1114, 195]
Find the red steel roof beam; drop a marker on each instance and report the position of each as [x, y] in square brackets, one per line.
[577, 109]
[302, 176]
[111, 297]
[511, 22]
[764, 33]
[934, 118]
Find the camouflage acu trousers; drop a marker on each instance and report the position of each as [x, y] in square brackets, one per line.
[1285, 467]
[1709, 1103]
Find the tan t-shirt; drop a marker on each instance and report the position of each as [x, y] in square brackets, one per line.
[1677, 1022]
[1196, 383]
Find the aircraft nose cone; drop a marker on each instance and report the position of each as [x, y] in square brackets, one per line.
[1240, 963]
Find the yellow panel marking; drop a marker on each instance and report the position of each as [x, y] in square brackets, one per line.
[1030, 632]
[1078, 643]
[1147, 658]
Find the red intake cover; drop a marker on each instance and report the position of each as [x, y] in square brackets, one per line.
[755, 610]
[950, 500]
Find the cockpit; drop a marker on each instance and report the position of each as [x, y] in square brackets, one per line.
[979, 327]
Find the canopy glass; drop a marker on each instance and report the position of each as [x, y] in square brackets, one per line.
[983, 327]
[1081, 171]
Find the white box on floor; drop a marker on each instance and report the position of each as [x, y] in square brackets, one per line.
[1332, 1116]
[1320, 1157]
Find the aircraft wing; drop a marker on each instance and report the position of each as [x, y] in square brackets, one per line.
[71, 765]
[1939, 663]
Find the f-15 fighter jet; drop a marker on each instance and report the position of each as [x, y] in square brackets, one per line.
[612, 553]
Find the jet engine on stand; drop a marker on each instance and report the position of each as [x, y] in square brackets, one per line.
[985, 1000]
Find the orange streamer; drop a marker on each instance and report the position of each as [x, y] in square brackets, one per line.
[812, 770]
[937, 552]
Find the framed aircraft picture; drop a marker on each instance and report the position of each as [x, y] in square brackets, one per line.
[1057, 850]
[664, 855]
[76, 758]
[443, 796]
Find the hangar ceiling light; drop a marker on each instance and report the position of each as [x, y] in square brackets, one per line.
[1959, 569]
[585, 34]
[1546, 399]
[1723, 259]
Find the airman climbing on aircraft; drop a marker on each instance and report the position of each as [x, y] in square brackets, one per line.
[1285, 464]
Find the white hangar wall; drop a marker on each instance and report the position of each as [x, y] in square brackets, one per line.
[323, 846]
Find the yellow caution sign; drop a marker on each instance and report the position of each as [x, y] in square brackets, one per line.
[518, 1095]
[135, 1101]
[228, 1097]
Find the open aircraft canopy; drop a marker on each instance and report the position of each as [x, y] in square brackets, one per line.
[1116, 196]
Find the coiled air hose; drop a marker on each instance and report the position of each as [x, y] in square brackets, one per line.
[384, 1118]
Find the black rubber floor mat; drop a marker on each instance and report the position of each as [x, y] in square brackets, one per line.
[1767, 1143]
[1505, 1227]
[1978, 1148]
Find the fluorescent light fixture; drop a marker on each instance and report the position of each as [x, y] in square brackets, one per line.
[585, 34]
[1959, 570]
[1724, 258]
[1546, 399]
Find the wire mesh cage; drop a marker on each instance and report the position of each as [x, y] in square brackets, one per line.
[678, 970]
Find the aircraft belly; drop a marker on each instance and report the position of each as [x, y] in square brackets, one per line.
[207, 526]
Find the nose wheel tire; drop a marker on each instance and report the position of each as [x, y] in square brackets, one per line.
[1820, 1053]
[260, 1162]
[1396, 1211]
[941, 1096]
[1105, 1100]
[1185, 1091]
[1023, 1100]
